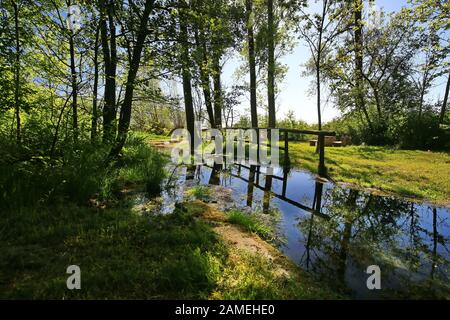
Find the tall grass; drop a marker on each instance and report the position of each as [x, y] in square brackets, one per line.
[143, 164]
[77, 174]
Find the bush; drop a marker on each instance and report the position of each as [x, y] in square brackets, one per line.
[408, 131]
[420, 133]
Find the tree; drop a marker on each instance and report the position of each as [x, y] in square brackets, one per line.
[434, 14]
[359, 56]
[95, 86]
[251, 61]
[271, 64]
[109, 49]
[320, 31]
[125, 111]
[185, 70]
[16, 8]
[444, 103]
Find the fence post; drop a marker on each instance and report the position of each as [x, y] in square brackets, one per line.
[322, 169]
[258, 145]
[286, 149]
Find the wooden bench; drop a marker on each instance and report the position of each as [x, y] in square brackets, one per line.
[338, 144]
[329, 141]
[312, 143]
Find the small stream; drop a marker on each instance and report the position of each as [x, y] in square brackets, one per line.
[336, 232]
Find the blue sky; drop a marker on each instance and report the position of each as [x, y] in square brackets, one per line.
[294, 89]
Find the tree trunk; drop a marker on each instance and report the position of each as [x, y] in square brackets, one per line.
[186, 75]
[318, 64]
[271, 65]
[251, 62]
[218, 94]
[422, 93]
[377, 102]
[204, 77]
[444, 104]
[125, 111]
[17, 72]
[74, 84]
[360, 102]
[110, 58]
[95, 90]
[319, 113]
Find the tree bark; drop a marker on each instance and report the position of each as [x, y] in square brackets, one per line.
[17, 72]
[110, 58]
[271, 65]
[444, 104]
[95, 90]
[251, 62]
[186, 75]
[74, 84]
[204, 77]
[125, 111]
[318, 64]
[218, 94]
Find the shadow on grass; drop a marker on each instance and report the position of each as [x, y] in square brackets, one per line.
[121, 255]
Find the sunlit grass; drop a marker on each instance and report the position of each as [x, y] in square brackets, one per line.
[412, 173]
[250, 222]
[123, 255]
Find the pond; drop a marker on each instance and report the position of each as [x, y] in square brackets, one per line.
[336, 232]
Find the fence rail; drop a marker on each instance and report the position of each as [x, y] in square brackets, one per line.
[322, 171]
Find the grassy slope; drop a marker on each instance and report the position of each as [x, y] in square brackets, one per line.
[411, 173]
[123, 255]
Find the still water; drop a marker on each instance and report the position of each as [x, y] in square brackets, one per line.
[336, 232]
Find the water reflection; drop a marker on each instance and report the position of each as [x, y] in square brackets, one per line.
[336, 233]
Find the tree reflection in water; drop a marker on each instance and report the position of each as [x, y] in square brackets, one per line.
[364, 230]
[337, 232]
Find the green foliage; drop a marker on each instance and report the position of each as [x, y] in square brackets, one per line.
[407, 131]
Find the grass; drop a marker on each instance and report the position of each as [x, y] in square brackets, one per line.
[142, 164]
[411, 173]
[123, 255]
[200, 192]
[251, 223]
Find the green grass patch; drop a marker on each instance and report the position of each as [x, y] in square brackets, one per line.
[200, 192]
[251, 223]
[412, 173]
[123, 255]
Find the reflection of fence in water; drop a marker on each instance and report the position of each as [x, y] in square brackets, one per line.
[322, 136]
[253, 181]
